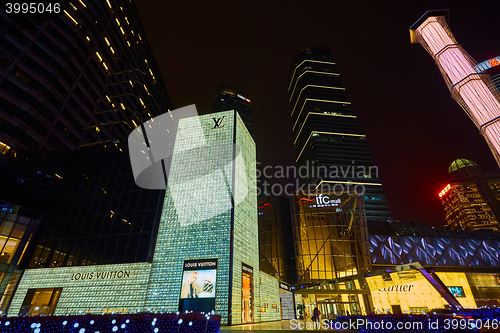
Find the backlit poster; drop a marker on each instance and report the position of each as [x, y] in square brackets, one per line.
[199, 279]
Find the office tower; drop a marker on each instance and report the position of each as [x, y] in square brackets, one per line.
[85, 76]
[74, 84]
[209, 222]
[473, 91]
[471, 199]
[328, 139]
[231, 98]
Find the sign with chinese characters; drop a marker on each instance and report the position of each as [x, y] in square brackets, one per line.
[487, 64]
[445, 190]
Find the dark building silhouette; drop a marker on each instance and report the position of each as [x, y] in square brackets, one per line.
[328, 139]
[276, 250]
[231, 98]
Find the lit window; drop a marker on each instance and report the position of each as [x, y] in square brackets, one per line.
[70, 17]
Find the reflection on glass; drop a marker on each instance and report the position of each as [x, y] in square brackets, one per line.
[9, 250]
[6, 227]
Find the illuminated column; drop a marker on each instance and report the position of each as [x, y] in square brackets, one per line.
[472, 90]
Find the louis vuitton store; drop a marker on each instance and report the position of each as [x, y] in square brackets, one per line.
[206, 256]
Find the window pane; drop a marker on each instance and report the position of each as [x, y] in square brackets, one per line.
[6, 227]
[18, 231]
[9, 250]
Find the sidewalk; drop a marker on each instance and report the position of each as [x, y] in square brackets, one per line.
[276, 326]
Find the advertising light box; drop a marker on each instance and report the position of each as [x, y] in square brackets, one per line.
[199, 279]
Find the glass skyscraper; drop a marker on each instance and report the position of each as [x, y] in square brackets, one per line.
[328, 139]
[73, 85]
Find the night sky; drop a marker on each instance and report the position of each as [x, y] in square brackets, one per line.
[414, 128]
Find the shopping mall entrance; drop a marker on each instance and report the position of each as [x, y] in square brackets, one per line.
[331, 308]
[332, 305]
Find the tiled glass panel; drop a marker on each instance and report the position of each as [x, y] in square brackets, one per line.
[270, 295]
[90, 289]
[196, 217]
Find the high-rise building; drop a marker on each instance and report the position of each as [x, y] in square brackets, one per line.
[471, 199]
[328, 139]
[231, 98]
[74, 83]
[472, 90]
[209, 216]
[83, 76]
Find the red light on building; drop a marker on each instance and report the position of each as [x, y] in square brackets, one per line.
[305, 199]
[494, 62]
[267, 207]
[445, 190]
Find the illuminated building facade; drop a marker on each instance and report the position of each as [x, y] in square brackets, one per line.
[206, 255]
[465, 262]
[414, 268]
[331, 238]
[331, 242]
[474, 92]
[328, 139]
[210, 215]
[231, 98]
[471, 200]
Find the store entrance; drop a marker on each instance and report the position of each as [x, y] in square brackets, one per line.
[40, 301]
[246, 299]
[332, 306]
[331, 310]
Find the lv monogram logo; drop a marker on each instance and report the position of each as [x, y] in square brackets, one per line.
[219, 122]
